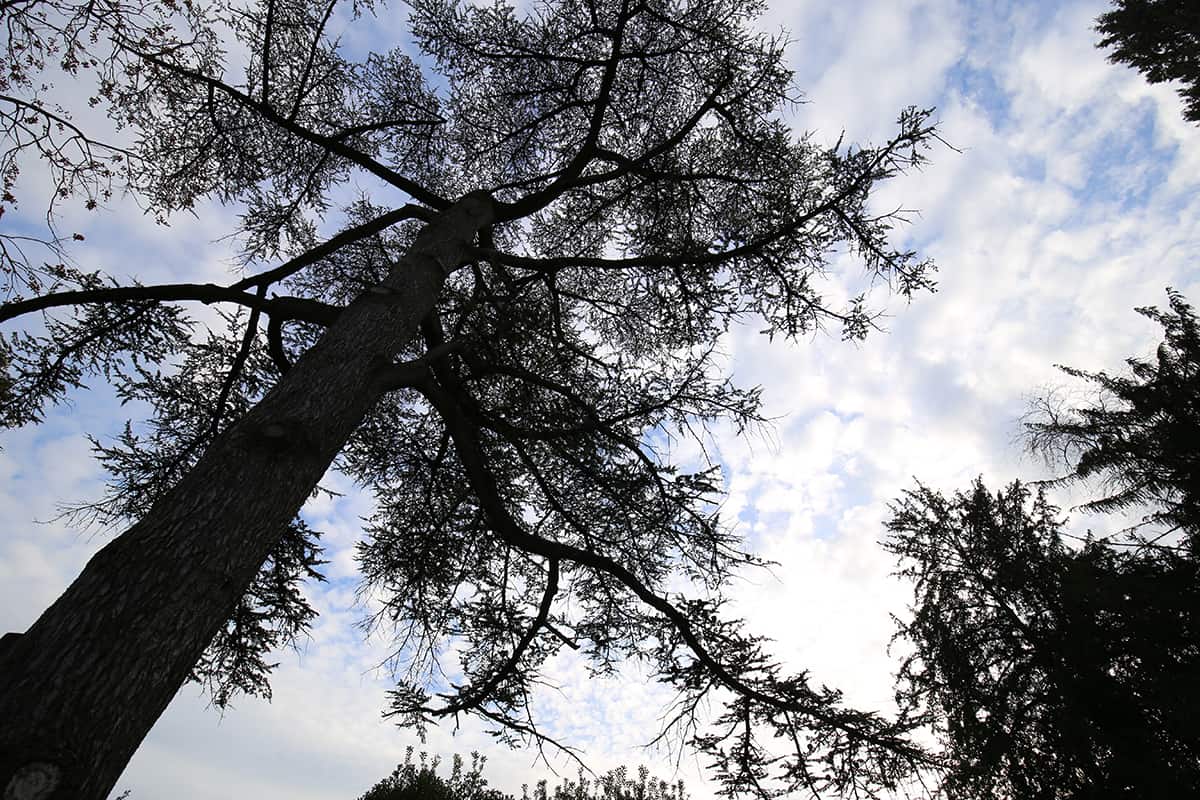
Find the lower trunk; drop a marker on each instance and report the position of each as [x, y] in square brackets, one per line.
[84, 685]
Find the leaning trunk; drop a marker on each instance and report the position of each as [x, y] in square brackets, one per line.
[84, 685]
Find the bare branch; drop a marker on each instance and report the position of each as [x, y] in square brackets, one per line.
[207, 293]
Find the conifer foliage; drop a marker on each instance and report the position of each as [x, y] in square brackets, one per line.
[1055, 667]
[560, 211]
[1161, 40]
[1137, 439]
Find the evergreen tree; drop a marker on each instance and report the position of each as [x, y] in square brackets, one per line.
[1058, 669]
[1047, 670]
[566, 208]
[1161, 40]
[1138, 438]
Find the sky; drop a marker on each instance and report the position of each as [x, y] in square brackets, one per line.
[1072, 196]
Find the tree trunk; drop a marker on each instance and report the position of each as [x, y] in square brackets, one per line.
[84, 685]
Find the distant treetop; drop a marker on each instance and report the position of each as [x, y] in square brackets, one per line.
[1161, 40]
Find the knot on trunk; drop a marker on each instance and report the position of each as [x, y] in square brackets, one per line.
[34, 781]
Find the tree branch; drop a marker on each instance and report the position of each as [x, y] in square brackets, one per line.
[538, 200]
[239, 362]
[312, 55]
[881, 160]
[414, 373]
[476, 696]
[335, 243]
[286, 307]
[66, 124]
[275, 344]
[388, 175]
[266, 53]
[207, 293]
[471, 456]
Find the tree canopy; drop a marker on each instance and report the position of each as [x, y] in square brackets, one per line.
[562, 211]
[1046, 670]
[420, 780]
[1138, 439]
[1050, 666]
[1161, 40]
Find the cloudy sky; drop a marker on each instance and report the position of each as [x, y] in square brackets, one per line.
[1074, 198]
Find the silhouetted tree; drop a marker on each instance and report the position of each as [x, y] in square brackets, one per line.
[1138, 436]
[1161, 40]
[420, 781]
[1070, 671]
[559, 226]
[1047, 671]
[616, 784]
[40, 39]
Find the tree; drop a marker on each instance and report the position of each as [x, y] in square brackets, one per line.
[420, 781]
[1057, 670]
[616, 784]
[1047, 671]
[1161, 40]
[558, 227]
[1139, 439]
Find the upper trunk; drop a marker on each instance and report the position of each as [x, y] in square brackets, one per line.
[82, 688]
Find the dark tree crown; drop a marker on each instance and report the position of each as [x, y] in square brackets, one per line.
[1138, 441]
[644, 193]
[1054, 667]
[1161, 40]
[1046, 670]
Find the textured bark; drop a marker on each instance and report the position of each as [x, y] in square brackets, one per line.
[84, 685]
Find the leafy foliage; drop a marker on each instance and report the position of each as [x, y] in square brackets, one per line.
[273, 613]
[616, 784]
[1047, 671]
[419, 781]
[1160, 39]
[43, 367]
[44, 39]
